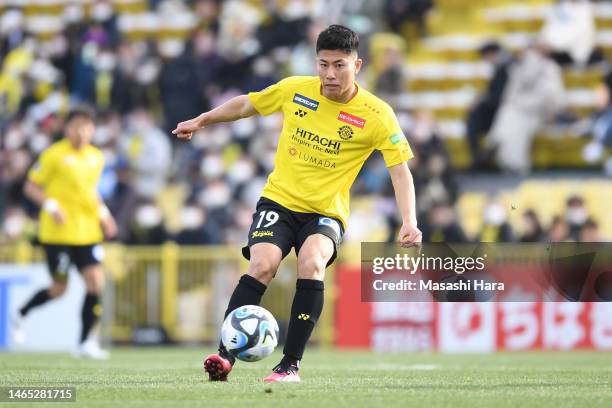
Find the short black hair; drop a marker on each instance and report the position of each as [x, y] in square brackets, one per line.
[338, 37]
[574, 200]
[489, 47]
[81, 112]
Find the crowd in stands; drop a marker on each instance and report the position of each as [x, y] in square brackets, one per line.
[204, 192]
[574, 225]
[526, 92]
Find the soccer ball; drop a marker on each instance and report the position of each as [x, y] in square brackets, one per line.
[250, 333]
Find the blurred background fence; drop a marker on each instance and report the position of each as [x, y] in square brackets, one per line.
[169, 293]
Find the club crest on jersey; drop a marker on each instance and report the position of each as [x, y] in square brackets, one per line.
[351, 119]
[345, 132]
[305, 102]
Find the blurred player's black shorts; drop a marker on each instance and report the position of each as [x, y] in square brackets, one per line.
[60, 257]
[288, 229]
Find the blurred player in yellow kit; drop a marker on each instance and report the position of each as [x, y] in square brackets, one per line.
[331, 126]
[73, 223]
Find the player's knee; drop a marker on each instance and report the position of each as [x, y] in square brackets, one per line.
[57, 289]
[94, 287]
[312, 267]
[262, 269]
[94, 280]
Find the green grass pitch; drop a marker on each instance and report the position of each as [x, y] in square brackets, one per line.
[173, 377]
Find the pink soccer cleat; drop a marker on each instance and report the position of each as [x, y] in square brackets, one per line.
[282, 373]
[217, 367]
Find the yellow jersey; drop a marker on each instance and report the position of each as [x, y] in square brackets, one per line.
[70, 176]
[323, 144]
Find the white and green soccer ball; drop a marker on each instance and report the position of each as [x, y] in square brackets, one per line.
[250, 333]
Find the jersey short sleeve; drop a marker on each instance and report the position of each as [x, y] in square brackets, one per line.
[42, 170]
[270, 99]
[390, 139]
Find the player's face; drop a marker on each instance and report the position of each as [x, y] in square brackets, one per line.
[79, 131]
[337, 71]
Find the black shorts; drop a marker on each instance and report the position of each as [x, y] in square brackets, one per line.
[288, 229]
[60, 257]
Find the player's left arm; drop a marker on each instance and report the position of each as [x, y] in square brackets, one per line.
[403, 185]
[107, 221]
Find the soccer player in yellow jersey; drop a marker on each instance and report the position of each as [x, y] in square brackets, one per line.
[331, 126]
[73, 221]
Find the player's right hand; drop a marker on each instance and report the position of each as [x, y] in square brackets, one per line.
[184, 130]
[109, 227]
[58, 216]
[52, 207]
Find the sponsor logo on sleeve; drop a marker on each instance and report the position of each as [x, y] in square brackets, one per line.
[305, 102]
[396, 138]
[351, 119]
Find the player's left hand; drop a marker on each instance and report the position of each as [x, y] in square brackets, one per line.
[409, 235]
[109, 227]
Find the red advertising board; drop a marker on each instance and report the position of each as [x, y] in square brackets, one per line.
[466, 327]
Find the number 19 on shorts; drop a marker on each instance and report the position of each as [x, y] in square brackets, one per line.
[270, 217]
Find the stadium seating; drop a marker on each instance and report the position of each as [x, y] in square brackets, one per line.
[444, 75]
[546, 197]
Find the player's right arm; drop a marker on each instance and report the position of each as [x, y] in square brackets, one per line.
[264, 102]
[236, 108]
[36, 193]
[34, 189]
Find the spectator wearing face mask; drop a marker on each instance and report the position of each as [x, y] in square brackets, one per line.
[496, 227]
[179, 84]
[147, 226]
[149, 154]
[576, 215]
[196, 227]
[12, 30]
[16, 225]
